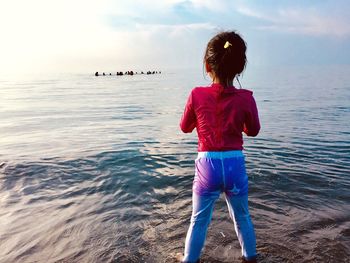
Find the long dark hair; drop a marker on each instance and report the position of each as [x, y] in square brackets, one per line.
[225, 55]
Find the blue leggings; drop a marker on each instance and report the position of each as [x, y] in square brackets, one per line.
[218, 172]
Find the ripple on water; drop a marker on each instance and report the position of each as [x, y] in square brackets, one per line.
[96, 170]
[109, 207]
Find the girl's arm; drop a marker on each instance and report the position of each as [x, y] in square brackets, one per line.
[188, 120]
[252, 123]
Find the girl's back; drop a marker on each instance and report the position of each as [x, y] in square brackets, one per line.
[220, 115]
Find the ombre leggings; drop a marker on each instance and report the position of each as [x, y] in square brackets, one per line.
[218, 172]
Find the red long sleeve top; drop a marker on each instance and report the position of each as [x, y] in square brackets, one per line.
[220, 115]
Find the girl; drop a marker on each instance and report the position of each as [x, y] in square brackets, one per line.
[220, 113]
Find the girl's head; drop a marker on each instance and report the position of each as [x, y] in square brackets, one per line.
[225, 57]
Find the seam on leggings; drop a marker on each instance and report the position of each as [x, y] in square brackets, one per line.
[223, 172]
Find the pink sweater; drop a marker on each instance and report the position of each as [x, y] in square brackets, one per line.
[220, 115]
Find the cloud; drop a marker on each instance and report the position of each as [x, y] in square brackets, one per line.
[81, 36]
[306, 21]
[215, 6]
[42, 35]
[84, 35]
[175, 30]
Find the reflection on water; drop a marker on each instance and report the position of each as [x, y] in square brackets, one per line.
[96, 170]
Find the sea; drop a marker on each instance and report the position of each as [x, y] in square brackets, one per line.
[96, 169]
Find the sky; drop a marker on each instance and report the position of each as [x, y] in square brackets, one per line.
[111, 35]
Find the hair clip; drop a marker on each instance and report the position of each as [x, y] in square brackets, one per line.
[227, 44]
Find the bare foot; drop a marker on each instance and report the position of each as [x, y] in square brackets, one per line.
[179, 257]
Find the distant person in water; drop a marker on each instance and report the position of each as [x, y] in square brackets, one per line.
[130, 72]
[220, 113]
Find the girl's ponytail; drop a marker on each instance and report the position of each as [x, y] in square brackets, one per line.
[225, 54]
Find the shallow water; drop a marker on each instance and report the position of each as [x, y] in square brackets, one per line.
[96, 169]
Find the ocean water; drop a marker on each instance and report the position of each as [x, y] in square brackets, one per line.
[95, 169]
